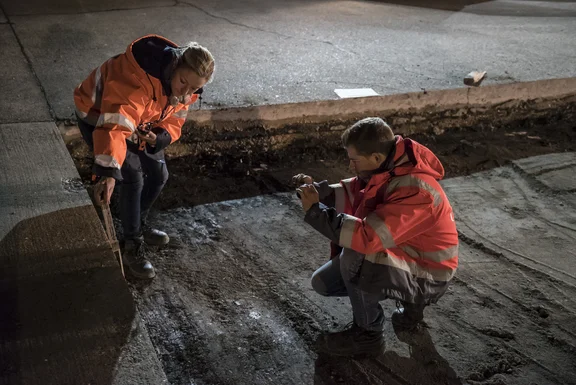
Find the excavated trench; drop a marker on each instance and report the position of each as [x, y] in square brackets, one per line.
[229, 161]
[232, 303]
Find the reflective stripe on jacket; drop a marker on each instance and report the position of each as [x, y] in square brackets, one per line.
[401, 220]
[120, 95]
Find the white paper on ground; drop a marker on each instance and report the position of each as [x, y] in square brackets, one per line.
[355, 92]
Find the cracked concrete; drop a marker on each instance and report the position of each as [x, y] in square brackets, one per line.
[231, 21]
[71, 7]
[67, 314]
[297, 51]
[3, 19]
[195, 5]
[21, 99]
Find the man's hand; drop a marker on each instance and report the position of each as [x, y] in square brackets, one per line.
[300, 179]
[308, 195]
[149, 137]
[103, 190]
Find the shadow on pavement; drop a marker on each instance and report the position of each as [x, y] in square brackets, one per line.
[424, 366]
[523, 8]
[65, 312]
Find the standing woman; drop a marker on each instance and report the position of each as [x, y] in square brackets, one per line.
[129, 110]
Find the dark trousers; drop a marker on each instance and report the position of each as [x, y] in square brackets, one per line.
[336, 278]
[144, 177]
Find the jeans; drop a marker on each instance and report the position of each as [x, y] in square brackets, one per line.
[338, 277]
[144, 177]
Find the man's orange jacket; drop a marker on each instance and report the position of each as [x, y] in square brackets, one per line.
[400, 220]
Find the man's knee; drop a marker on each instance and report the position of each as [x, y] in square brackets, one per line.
[318, 285]
[350, 265]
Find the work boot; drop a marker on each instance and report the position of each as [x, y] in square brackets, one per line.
[154, 237]
[354, 341]
[134, 260]
[408, 316]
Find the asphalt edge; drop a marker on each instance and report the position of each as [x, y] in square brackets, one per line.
[274, 116]
[324, 110]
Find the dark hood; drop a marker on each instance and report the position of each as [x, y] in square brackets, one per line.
[155, 56]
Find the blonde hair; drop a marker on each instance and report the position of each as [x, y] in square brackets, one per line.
[198, 59]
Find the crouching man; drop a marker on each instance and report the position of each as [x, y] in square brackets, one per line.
[392, 231]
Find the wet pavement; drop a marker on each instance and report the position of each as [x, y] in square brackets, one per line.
[232, 302]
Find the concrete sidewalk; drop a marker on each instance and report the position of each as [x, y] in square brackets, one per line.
[287, 51]
[67, 315]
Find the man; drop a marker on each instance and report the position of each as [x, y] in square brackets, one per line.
[392, 231]
[129, 110]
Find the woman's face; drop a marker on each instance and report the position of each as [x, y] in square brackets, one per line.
[185, 82]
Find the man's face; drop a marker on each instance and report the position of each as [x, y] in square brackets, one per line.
[362, 165]
[185, 82]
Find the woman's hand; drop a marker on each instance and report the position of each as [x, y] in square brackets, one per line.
[148, 137]
[103, 190]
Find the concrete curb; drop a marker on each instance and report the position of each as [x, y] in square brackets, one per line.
[326, 110]
[68, 316]
[268, 117]
[275, 133]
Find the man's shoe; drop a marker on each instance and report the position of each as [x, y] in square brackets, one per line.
[408, 317]
[135, 261]
[354, 341]
[154, 237]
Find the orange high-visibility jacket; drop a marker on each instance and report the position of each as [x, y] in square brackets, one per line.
[126, 91]
[400, 220]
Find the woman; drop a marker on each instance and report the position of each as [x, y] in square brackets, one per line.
[129, 110]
